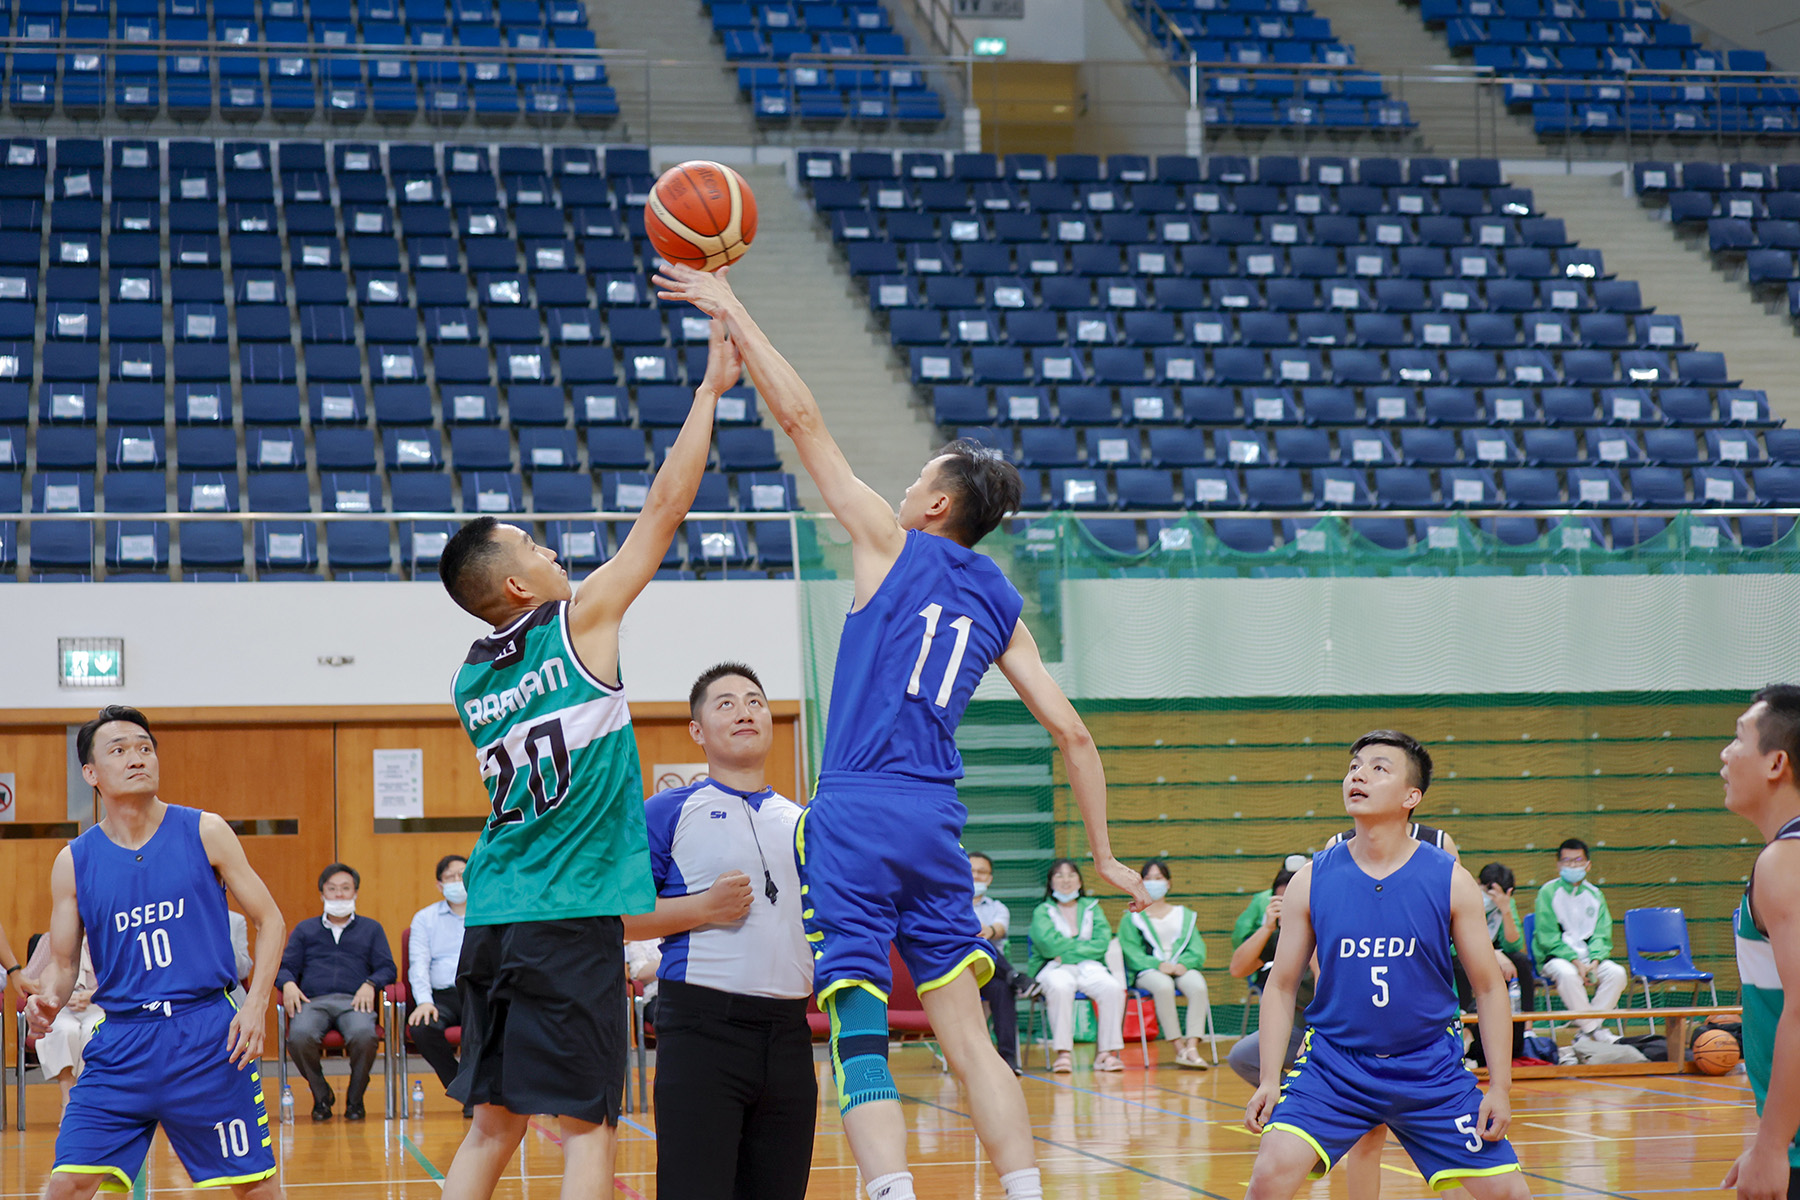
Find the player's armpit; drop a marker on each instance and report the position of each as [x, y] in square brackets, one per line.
[226, 854]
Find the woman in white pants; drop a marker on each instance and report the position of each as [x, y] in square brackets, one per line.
[1069, 936]
[59, 1051]
[1163, 954]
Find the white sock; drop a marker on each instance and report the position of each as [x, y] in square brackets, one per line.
[895, 1186]
[1023, 1184]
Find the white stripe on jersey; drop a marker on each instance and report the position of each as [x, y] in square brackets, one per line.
[582, 725]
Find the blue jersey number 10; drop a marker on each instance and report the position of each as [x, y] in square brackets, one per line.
[931, 613]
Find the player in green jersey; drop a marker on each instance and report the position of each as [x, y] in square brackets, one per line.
[563, 855]
[1761, 786]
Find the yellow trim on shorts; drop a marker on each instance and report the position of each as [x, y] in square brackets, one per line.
[838, 985]
[1309, 1140]
[800, 840]
[1444, 1180]
[232, 1180]
[123, 1183]
[974, 957]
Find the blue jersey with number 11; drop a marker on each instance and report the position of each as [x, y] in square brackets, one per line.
[910, 660]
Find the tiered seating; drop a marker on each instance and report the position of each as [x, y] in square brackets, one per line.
[1559, 45]
[764, 37]
[1750, 213]
[265, 57]
[1261, 37]
[1286, 335]
[417, 328]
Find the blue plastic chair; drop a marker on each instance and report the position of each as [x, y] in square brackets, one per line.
[1662, 931]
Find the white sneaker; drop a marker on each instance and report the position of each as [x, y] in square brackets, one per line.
[1603, 1034]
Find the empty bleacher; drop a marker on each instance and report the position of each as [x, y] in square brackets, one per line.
[1261, 60]
[1749, 213]
[1291, 335]
[352, 328]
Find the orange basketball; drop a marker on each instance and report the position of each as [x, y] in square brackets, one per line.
[1715, 1052]
[701, 214]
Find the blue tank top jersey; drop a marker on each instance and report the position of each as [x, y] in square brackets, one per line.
[1386, 984]
[910, 660]
[157, 927]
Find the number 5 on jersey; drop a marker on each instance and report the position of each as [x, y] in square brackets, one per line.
[1378, 977]
[962, 625]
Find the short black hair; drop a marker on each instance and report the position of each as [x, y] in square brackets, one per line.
[983, 488]
[341, 869]
[1283, 876]
[1498, 873]
[712, 675]
[1057, 866]
[1572, 844]
[973, 854]
[443, 865]
[1416, 754]
[1779, 726]
[84, 737]
[1159, 864]
[467, 564]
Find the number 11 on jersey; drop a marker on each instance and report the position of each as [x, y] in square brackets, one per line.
[962, 625]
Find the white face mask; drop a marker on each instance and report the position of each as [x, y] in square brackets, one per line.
[1156, 888]
[980, 889]
[340, 908]
[455, 892]
[1065, 897]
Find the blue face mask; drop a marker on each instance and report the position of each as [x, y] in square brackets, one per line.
[1065, 897]
[1573, 875]
[1157, 888]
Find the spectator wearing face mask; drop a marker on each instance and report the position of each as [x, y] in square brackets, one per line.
[433, 949]
[1164, 953]
[1573, 940]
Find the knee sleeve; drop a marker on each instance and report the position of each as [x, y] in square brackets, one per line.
[859, 1046]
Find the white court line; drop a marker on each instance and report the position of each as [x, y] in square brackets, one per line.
[1584, 1135]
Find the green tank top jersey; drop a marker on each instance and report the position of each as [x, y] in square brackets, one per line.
[1763, 995]
[566, 835]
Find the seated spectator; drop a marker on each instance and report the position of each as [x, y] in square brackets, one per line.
[433, 948]
[1497, 883]
[1573, 940]
[1163, 954]
[331, 973]
[1001, 992]
[59, 1051]
[1254, 938]
[1069, 937]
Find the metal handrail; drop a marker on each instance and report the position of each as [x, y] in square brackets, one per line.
[794, 517]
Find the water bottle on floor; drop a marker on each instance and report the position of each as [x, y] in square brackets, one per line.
[418, 1100]
[1512, 993]
[287, 1104]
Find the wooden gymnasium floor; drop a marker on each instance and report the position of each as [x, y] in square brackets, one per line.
[1159, 1133]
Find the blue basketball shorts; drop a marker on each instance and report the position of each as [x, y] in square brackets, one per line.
[1426, 1096]
[880, 862]
[144, 1069]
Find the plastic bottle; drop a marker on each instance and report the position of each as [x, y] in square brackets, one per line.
[287, 1104]
[418, 1101]
[1512, 992]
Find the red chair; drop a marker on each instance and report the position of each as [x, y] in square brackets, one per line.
[906, 1012]
[396, 1005]
[392, 1100]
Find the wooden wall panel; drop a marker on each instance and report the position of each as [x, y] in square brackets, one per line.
[666, 740]
[37, 757]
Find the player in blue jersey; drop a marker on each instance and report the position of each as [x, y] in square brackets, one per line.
[146, 887]
[1382, 1045]
[878, 850]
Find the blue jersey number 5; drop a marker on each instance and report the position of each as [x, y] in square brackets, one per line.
[931, 613]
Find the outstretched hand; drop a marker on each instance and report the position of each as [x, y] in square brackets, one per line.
[709, 293]
[1126, 880]
[724, 365]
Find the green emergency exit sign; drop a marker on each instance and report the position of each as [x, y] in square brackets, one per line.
[990, 47]
[90, 662]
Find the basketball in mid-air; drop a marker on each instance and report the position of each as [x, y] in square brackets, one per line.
[701, 214]
[1715, 1052]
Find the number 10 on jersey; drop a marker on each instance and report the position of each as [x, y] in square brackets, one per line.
[932, 613]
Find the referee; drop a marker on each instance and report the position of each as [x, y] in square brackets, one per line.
[736, 1096]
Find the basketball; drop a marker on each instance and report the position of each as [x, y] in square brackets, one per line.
[701, 214]
[1715, 1052]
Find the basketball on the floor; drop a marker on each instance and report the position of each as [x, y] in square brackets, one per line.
[1715, 1052]
[701, 214]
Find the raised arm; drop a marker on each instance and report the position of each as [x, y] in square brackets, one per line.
[245, 1038]
[868, 518]
[1024, 669]
[1280, 991]
[58, 979]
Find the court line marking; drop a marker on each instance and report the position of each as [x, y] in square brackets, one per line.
[1592, 1137]
[1101, 1158]
[412, 1148]
[1570, 1183]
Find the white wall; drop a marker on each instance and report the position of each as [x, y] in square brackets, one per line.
[230, 644]
[1050, 31]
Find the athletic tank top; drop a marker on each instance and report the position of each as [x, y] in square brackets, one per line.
[565, 835]
[158, 932]
[1386, 985]
[910, 660]
[1763, 994]
[1428, 834]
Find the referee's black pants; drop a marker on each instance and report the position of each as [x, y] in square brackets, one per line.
[736, 1096]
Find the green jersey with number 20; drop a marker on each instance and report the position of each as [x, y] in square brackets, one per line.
[566, 835]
